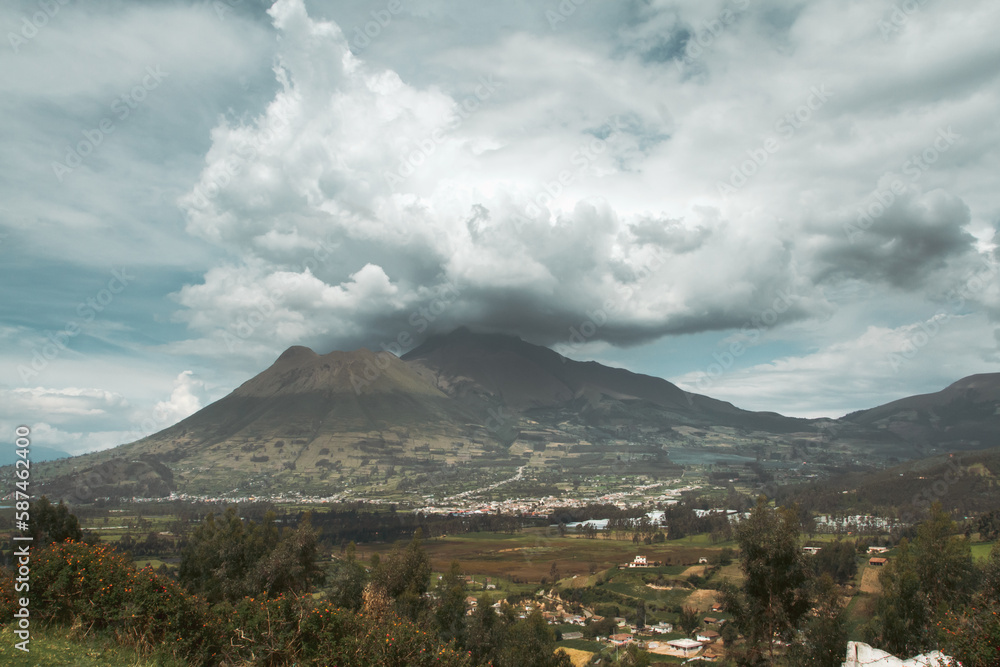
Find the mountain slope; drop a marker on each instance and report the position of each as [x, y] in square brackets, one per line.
[964, 414]
[467, 409]
[526, 377]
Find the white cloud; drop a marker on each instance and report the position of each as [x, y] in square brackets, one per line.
[268, 172]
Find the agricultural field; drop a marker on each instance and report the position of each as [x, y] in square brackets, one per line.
[529, 555]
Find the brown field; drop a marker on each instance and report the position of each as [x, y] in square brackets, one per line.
[528, 556]
[579, 658]
[702, 600]
[869, 580]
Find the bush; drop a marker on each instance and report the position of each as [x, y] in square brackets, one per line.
[94, 588]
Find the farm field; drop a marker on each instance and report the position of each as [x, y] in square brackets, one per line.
[528, 556]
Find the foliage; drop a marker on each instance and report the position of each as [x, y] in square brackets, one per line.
[825, 635]
[94, 589]
[450, 614]
[838, 559]
[972, 636]
[928, 579]
[689, 620]
[773, 598]
[503, 640]
[988, 525]
[346, 580]
[225, 560]
[52, 523]
[405, 576]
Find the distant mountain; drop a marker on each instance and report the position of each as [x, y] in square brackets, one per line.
[487, 404]
[964, 415]
[36, 454]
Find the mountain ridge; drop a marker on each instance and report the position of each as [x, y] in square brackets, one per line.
[350, 420]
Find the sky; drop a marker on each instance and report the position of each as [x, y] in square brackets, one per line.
[789, 205]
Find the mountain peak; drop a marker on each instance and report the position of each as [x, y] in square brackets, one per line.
[296, 354]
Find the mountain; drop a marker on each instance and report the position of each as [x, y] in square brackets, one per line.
[465, 410]
[964, 415]
[38, 453]
[526, 378]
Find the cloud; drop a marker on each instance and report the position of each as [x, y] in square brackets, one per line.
[530, 249]
[878, 365]
[70, 401]
[183, 401]
[483, 165]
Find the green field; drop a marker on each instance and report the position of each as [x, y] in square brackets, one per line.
[981, 551]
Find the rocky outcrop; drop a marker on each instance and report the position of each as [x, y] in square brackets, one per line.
[862, 655]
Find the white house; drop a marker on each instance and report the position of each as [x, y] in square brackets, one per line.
[639, 561]
[662, 628]
[685, 648]
[706, 636]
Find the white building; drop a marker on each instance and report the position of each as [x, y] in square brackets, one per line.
[685, 648]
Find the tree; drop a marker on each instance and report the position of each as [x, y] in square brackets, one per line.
[225, 560]
[773, 598]
[634, 657]
[928, 579]
[346, 581]
[973, 636]
[50, 523]
[825, 633]
[405, 576]
[838, 559]
[640, 613]
[689, 619]
[450, 613]
[502, 640]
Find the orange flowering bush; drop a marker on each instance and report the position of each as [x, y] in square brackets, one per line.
[96, 588]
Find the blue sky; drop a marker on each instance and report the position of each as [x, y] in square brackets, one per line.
[788, 205]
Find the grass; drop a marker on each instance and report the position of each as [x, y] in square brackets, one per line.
[981, 551]
[56, 647]
[581, 645]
